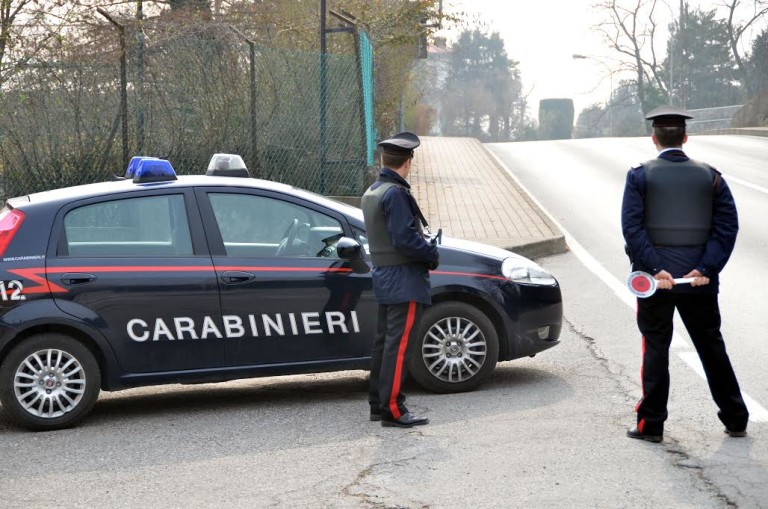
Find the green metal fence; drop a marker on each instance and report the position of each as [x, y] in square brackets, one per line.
[366, 70]
[185, 95]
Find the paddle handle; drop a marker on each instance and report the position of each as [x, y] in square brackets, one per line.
[684, 280]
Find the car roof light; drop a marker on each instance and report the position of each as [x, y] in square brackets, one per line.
[130, 171]
[150, 169]
[10, 221]
[227, 165]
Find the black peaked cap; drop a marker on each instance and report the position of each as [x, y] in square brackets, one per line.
[668, 116]
[402, 143]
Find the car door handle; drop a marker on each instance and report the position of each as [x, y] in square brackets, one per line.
[77, 278]
[236, 276]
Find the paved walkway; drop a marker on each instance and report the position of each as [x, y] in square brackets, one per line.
[463, 189]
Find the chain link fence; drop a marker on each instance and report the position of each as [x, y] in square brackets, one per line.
[183, 94]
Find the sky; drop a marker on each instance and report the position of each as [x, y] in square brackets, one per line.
[543, 35]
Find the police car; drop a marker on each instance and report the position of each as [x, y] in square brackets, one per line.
[157, 279]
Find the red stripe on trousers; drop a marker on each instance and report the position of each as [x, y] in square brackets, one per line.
[642, 374]
[400, 358]
[642, 366]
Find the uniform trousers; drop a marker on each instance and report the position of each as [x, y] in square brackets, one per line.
[700, 313]
[397, 326]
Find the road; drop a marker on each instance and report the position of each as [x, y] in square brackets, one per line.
[580, 184]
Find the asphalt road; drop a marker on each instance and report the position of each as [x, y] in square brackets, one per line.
[544, 432]
[580, 183]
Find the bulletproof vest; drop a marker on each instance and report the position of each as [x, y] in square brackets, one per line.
[678, 202]
[383, 252]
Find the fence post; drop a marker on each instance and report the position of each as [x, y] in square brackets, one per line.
[323, 97]
[140, 134]
[123, 83]
[254, 159]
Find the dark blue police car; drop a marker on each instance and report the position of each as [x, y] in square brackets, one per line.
[155, 279]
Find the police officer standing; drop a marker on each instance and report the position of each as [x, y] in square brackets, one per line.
[679, 220]
[401, 257]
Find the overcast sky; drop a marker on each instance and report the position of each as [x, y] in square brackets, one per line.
[543, 35]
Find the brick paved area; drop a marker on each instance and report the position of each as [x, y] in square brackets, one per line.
[462, 189]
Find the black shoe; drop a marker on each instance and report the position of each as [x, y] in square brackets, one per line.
[635, 433]
[406, 420]
[375, 417]
[735, 434]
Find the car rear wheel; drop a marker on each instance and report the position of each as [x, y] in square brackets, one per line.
[456, 350]
[49, 381]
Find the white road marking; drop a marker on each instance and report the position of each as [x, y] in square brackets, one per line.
[730, 178]
[757, 413]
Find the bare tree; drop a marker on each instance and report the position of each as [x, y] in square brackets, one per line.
[29, 28]
[630, 28]
[18, 18]
[737, 25]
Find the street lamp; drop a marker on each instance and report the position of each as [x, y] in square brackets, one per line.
[577, 56]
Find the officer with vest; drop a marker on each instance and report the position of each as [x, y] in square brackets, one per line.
[679, 220]
[401, 257]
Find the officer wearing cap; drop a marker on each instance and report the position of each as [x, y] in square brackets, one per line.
[679, 219]
[401, 257]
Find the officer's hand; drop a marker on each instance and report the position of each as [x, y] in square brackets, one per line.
[699, 278]
[664, 280]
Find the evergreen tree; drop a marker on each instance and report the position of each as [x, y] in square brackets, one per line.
[703, 75]
[482, 95]
[758, 63]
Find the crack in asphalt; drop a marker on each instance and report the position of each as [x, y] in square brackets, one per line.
[680, 458]
[366, 498]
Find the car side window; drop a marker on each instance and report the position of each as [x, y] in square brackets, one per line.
[258, 226]
[146, 226]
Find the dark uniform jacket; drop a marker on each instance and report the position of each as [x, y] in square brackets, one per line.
[397, 284]
[709, 259]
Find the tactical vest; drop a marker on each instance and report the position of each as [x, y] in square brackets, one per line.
[383, 252]
[678, 202]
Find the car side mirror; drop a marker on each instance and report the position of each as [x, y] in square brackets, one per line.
[351, 250]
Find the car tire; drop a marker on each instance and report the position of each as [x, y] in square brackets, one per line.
[49, 381]
[456, 349]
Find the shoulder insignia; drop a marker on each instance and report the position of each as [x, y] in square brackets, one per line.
[636, 166]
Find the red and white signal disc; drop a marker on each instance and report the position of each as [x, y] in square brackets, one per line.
[641, 284]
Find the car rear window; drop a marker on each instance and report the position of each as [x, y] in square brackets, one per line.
[145, 226]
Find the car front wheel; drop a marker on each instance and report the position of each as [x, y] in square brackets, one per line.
[49, 381]
[456, 350]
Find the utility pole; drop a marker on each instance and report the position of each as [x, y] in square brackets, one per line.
[140, 137]
[682, 54]
[609, 104]
[324, 85]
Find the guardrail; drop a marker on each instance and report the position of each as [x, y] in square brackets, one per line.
[744, 131]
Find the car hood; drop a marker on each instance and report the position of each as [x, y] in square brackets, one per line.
[478, 248]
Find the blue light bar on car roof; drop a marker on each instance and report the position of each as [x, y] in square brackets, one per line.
[150, 169]
[134, 162]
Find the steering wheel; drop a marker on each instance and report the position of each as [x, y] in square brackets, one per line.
[288, 237]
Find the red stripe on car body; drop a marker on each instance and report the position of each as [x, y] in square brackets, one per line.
[45, 286]
[469, 274]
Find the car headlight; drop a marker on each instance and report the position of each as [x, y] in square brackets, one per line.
[522, 270]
